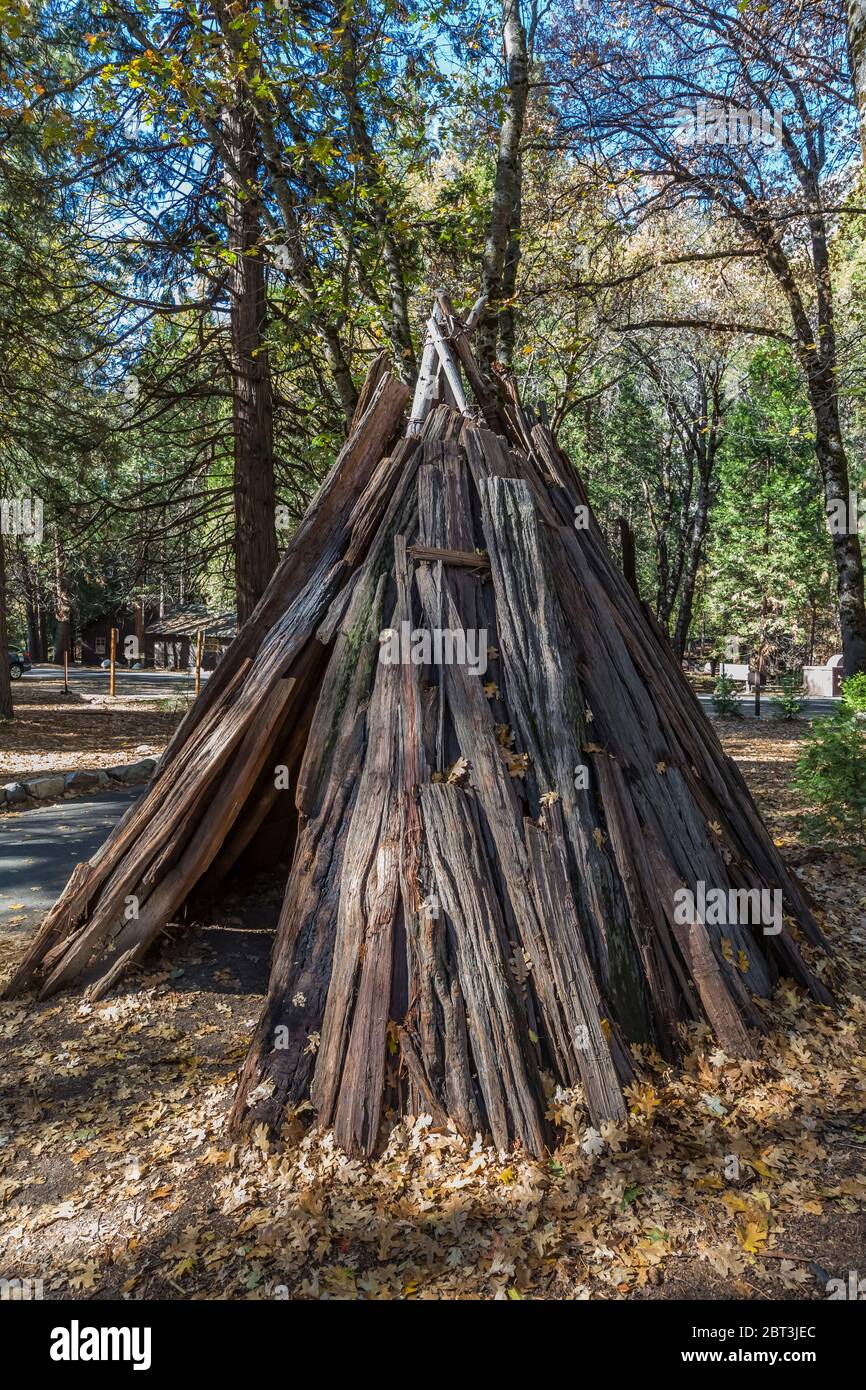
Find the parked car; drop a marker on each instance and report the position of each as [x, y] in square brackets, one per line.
[19, 662]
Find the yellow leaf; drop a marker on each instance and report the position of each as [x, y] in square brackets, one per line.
[644, 1101]
[752, 1236]
[517, 763]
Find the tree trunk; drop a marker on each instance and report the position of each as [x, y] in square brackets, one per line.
[32, 605]
[399, 327]
[817, 353]
[690, 571]
[139, 628]
[848, 557]
[34, 635]
[62, 605]
[506, 186]
[252, 412]
[664, 596]
[508, 318]
[6, 711]
[856, 10]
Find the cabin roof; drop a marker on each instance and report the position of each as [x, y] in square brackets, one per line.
[186, 619]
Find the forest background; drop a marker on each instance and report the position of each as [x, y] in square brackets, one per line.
[214, 216]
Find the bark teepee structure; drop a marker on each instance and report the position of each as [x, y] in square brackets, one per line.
[484, 862]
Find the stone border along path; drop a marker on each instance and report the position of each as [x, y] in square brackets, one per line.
[50, 786]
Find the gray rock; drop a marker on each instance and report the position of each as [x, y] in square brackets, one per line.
[133, 772]
[82, 780]
[13, 791]
[44, 787]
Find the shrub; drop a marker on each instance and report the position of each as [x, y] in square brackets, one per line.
[831, 772]
[854, 692]
[789, 704]
[725, 702]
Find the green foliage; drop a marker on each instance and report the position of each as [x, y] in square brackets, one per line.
[831, 773]
[114, 294]
[725, 701]
[769, 561]
[854, 692]
[790, 703]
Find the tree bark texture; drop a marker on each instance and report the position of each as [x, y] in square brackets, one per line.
[6, 710]
[252, 411]
[505, 208]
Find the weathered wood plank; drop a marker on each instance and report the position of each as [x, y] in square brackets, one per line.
[362, 960]
[553, 726]
[283, 1049]
[498, 1041]
[460, 559]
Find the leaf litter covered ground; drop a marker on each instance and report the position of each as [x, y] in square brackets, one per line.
[740, 1179]
[57, 732]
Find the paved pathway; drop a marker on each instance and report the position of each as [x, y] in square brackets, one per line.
[40, 848]
[131, 685]
[812, 709]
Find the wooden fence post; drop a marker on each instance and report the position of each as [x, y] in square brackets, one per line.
[199, 643]
[112, 680]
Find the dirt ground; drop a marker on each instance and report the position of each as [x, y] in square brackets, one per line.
[737, 1179]
[53, 732]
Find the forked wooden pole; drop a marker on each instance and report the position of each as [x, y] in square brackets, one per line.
[449, 362]
[425, 387]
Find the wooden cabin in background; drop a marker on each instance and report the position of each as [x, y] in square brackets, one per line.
[170, 639]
